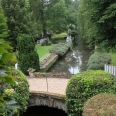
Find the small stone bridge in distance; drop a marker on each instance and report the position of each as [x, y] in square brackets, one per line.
[48, 89]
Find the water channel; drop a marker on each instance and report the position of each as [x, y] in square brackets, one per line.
[73, 62]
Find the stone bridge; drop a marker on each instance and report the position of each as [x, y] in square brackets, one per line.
[48, 89]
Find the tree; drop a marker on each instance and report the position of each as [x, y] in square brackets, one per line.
[27, 56]
[99, 23]
[53, 15]
[57, 19]
[16, 13]
[3, 26]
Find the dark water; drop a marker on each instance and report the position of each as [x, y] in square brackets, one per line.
[73, 62]
[44, 111]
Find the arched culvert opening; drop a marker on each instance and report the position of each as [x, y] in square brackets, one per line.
[44, 111]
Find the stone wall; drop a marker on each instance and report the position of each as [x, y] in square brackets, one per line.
[46, 99]
[52, 75]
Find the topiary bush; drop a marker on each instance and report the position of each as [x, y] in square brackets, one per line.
[84, 85]
[27, 56]
[97, 60]
[100, 105]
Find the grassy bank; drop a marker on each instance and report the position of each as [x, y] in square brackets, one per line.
[113, 57]
[43, 50]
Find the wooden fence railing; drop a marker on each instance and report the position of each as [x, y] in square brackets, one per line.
[110, 69]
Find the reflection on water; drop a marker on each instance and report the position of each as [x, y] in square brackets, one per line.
[73, 62]
[44, 111]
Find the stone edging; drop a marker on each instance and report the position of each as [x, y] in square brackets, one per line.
[52, 75]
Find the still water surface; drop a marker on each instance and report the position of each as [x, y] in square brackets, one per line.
[73, 62]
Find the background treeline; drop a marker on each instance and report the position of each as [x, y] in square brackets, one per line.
[38, 17]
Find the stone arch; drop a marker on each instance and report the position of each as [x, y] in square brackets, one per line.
[43, 99]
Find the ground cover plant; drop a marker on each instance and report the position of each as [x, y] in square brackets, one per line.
[100, 105]
[85, 85]
[97, 60]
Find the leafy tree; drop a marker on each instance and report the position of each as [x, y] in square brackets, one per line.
[53, 15]
[3, 26]
[99, 23]
[16, 13]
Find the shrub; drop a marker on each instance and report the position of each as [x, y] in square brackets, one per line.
[21, 89]
[85, 85]
[27, 55]
[97, 60]
[46, 42]
[60, 48]
[100, 105]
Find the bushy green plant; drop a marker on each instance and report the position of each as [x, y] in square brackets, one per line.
[9, 106]
[97, 60]
[61, 48]
[100, 105]
[21, 89]
[27, 56]
[84, 85]
[46, 42]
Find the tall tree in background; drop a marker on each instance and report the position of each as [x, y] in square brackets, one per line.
[53, 15]
[3, 26]
[57, 17]
[16, 13]
[99, 21]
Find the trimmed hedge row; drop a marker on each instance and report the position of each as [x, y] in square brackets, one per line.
[83, 86]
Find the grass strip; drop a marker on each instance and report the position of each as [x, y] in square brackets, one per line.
[43, 50]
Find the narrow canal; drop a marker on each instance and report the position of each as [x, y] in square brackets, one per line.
[73, 62]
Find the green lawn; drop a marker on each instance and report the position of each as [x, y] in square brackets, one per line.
[43, 50]
[113, 57]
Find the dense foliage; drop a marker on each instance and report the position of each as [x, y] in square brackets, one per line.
[100, 105]
[12, 84]
[3, 26]
[96, 19]
[84, 85]
[21, 89]
[61, 48]
[6, 78]
[38, 18]
[27, 56]
[97, 60]
[18, 21]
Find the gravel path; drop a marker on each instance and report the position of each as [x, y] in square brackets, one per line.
[55, 85]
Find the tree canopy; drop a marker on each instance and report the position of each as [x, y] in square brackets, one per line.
[97, 23]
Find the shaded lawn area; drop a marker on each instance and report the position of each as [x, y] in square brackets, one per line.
[113, 57]
[43, 50]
